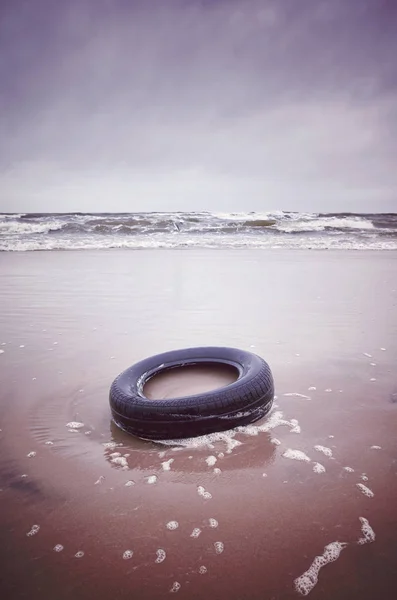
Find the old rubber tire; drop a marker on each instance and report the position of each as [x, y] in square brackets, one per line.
[244, 401]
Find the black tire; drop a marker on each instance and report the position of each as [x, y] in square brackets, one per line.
[244, 401]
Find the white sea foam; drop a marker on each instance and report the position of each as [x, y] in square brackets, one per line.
[213, 523]
[167, 464]
[376, 447]
[58, 548]
[31, 454]
[348, 469]
[176, 586]
[203, 492]
[219, 547]
[326, 451]
[127, 554]
[275, 441]
[297, 395]
[368, 532]
[171, 525]
[35, 529]
[296, 455]
[318, 468]
[79, 554]
[211, 460]
[152, 479]
[196, 532]
[306, 582]
[160, 555]
[365, 490]
[203, 570]
[75, 425]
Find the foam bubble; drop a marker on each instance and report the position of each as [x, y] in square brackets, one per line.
[75, 425]
[160, 556]
[348, 469]
[115, 454]
[161, 454]
[31, 454]
[211, 460]
[1, 351]
[176, 586]
[167, 464]
[121, 461]
[376, 447]
[373, 364]
[219, 547]
[318, 468]
[33, 531]
[217, 471]
[128, 554]
[312, 388]
[383, 349]
[306, 582]
[58, 548]
[364, 477]
[326, 451]
[79, 554]
[49, 443]
[365, 490]
[373, 379]
[152, 479]
[202, 570]
[196, 532]
[275, 441]
[368, 532]
[328, 390]
[109, 445]
[296, 455]
[129, 483]
[213, 523]
[202, 492]
[368, 355]
[171, 525]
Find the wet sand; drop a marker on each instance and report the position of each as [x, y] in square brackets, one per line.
[189, 380]
[235, 516]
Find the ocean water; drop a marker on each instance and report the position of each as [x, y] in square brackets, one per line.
[277, 229]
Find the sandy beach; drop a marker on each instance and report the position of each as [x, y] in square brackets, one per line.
[320, 470]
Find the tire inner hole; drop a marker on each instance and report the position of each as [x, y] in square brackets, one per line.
[189, 380]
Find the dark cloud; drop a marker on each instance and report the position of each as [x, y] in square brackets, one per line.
[197, 105]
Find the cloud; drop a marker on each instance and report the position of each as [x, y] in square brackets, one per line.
[198, 105]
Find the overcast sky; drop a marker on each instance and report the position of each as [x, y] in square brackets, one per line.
[117, 105]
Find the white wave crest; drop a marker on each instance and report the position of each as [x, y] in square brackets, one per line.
[19, 228]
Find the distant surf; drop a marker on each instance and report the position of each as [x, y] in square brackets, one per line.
[276, 229]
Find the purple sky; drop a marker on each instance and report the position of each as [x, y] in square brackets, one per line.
[198, 105]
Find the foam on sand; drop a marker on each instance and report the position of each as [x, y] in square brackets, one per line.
[219, 547]
[171, 525]
[318, 468]
[203, 492]
[167, 464]
[128, 554]
[306, 582]
[324, 450]
[365, 490]
[35, 529]
[176, 586]
[196, 532]
[160, 555]
[296, 455]
[368, 532]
